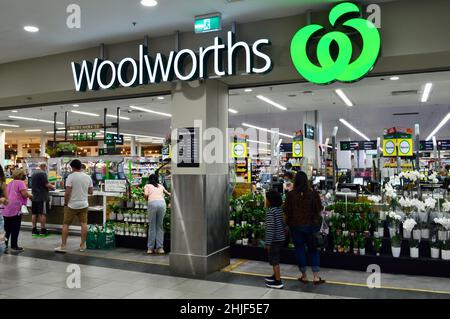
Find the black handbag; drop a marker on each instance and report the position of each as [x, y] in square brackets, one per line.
[320, 238]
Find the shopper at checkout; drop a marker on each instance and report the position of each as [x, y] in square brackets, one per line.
[17, 195]
[154, 193]
[40, 205]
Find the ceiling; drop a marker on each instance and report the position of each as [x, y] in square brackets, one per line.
[375, 108]
[111, 21]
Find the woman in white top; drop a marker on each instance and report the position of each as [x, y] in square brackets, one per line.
[154, 193]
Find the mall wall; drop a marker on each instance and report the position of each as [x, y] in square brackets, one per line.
[420, 42]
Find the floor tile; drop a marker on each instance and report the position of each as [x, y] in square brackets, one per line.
[241, 291]
[114, 289]
[29, 291]
[199, 286]
[68, 294]
[284, 294]
[155, 293]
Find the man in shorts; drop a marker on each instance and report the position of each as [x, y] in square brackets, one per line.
[78, 187]
[41, 200]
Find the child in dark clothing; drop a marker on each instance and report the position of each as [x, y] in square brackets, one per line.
[275, 236]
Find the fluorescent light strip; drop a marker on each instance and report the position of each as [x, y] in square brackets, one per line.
[62, 132]
[354, 129]
[33, 119]
[344, 97]
[269, 101]
[150, 111]
[121, 117]
[426, 92]
[29, 131]
[85, 113]
[266, 130]
[136, 135]
[264, 143]
[443, 122]
[9, 125]
[233, 111]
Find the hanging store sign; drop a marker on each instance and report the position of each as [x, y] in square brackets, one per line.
[84, 136]
[105, 74]
[405, 147]
[309, 131]
[208, 23]
[341, 68]
[239, 150]
[84, 127]
[297, 145]
[114, 139]
[426, 146]
[389, 147]
[443, 145]
[358, 146]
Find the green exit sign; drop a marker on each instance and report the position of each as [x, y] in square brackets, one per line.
[208, 24]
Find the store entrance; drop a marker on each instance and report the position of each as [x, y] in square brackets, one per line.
[120, 156]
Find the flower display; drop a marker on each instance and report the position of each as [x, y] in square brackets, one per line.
[418, 204]
[409, 224]
[446, 206]
[375, 199]
[394, 216]
[430, 203]
[405, 202]
[444, 222]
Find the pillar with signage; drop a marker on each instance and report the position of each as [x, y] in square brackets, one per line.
[200, 212]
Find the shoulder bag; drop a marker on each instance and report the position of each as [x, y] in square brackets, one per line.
[320, 238]
[23, 208]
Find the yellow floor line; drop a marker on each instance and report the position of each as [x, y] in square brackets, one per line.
[345, 283]
[107, 257]
[234, 265]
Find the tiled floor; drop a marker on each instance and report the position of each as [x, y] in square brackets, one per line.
[24, 277]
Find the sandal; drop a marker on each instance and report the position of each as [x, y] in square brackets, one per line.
[319, 282]
[305, 281]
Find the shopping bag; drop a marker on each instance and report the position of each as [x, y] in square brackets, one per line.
[92, 237]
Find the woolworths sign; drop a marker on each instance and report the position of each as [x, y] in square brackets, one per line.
[105, 74]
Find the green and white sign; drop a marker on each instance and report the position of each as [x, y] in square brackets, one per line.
[208, 24]
[340, 68]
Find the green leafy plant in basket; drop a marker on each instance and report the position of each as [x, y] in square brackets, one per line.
[377, 245]
[360, 241]
[396, 241]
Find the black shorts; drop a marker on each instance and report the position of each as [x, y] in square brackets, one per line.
[275, 252]
[40, 208]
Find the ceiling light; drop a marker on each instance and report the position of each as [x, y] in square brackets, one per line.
[75, 105]
[33, 119]
[248, 90]
[149, 3]
[9, 125]
[33, 131]
[266, 130]
[394, 78]
[121, 117]
[161, 98]
[30, 28]
[344, 97]
[85, 113]
[354, 129]
[150, 111]
[426, 92]
[15, 111]
[279, 106]
[233, 111]
[264, 143]
[443, 122]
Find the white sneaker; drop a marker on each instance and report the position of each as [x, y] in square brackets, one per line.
[61, 249]
[83, 248]
[150, 251]
[160, 251]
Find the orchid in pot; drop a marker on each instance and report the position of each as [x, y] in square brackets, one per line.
[435, 247]
[414, 248]
[394, 222]
[406, 205]
[396, 243]
[446, 208]
[408, 226]
[445, 253]
[443, 225]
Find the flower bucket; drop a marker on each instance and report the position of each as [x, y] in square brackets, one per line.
[417, 234]
[446, 254]
[434, 253]
[381, 231]
[442, 235]
[414, 252]
[396, 251]
[245, 241]
[425, 233]
[406, 234]
[392, 232]
[362, 251]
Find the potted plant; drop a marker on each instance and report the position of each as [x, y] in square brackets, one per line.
[408, 226]
[380, 228]
[377, 245]
[414, 248]
[361, 244]
[424, 230]
[394, 222]
[396, 242]
[346, 244]
[445, 252]
[435, 249]
[442, 226]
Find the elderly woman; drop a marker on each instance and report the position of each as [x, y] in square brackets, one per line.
[17, 194]
[3, 202]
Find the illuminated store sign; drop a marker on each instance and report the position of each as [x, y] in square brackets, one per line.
[105, 74]
[332, 68]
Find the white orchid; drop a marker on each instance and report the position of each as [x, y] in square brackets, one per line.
[394, 216]
[375, 199]
[419, 205]
[444, 222]
[430, 203]
[405, 202]
[446, 206]
[409, 224]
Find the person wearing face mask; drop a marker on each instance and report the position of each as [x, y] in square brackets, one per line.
[288, 184]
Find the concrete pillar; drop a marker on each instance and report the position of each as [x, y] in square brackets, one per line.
[43, 141]
[133, 146]
[200, 210]
[19, 149]
[139, 149]
[2, 146]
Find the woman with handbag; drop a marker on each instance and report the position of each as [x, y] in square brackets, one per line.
[3, 202]
[303, 209]
[17, 200]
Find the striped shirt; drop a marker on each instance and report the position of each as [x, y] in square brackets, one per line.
[274, 225]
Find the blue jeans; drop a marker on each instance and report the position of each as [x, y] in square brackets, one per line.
[156, 212]
[303, 242]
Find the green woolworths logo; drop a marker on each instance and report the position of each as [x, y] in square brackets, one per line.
[341, 68]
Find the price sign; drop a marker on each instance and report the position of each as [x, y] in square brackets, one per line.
[389, 147]
[116, 186]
